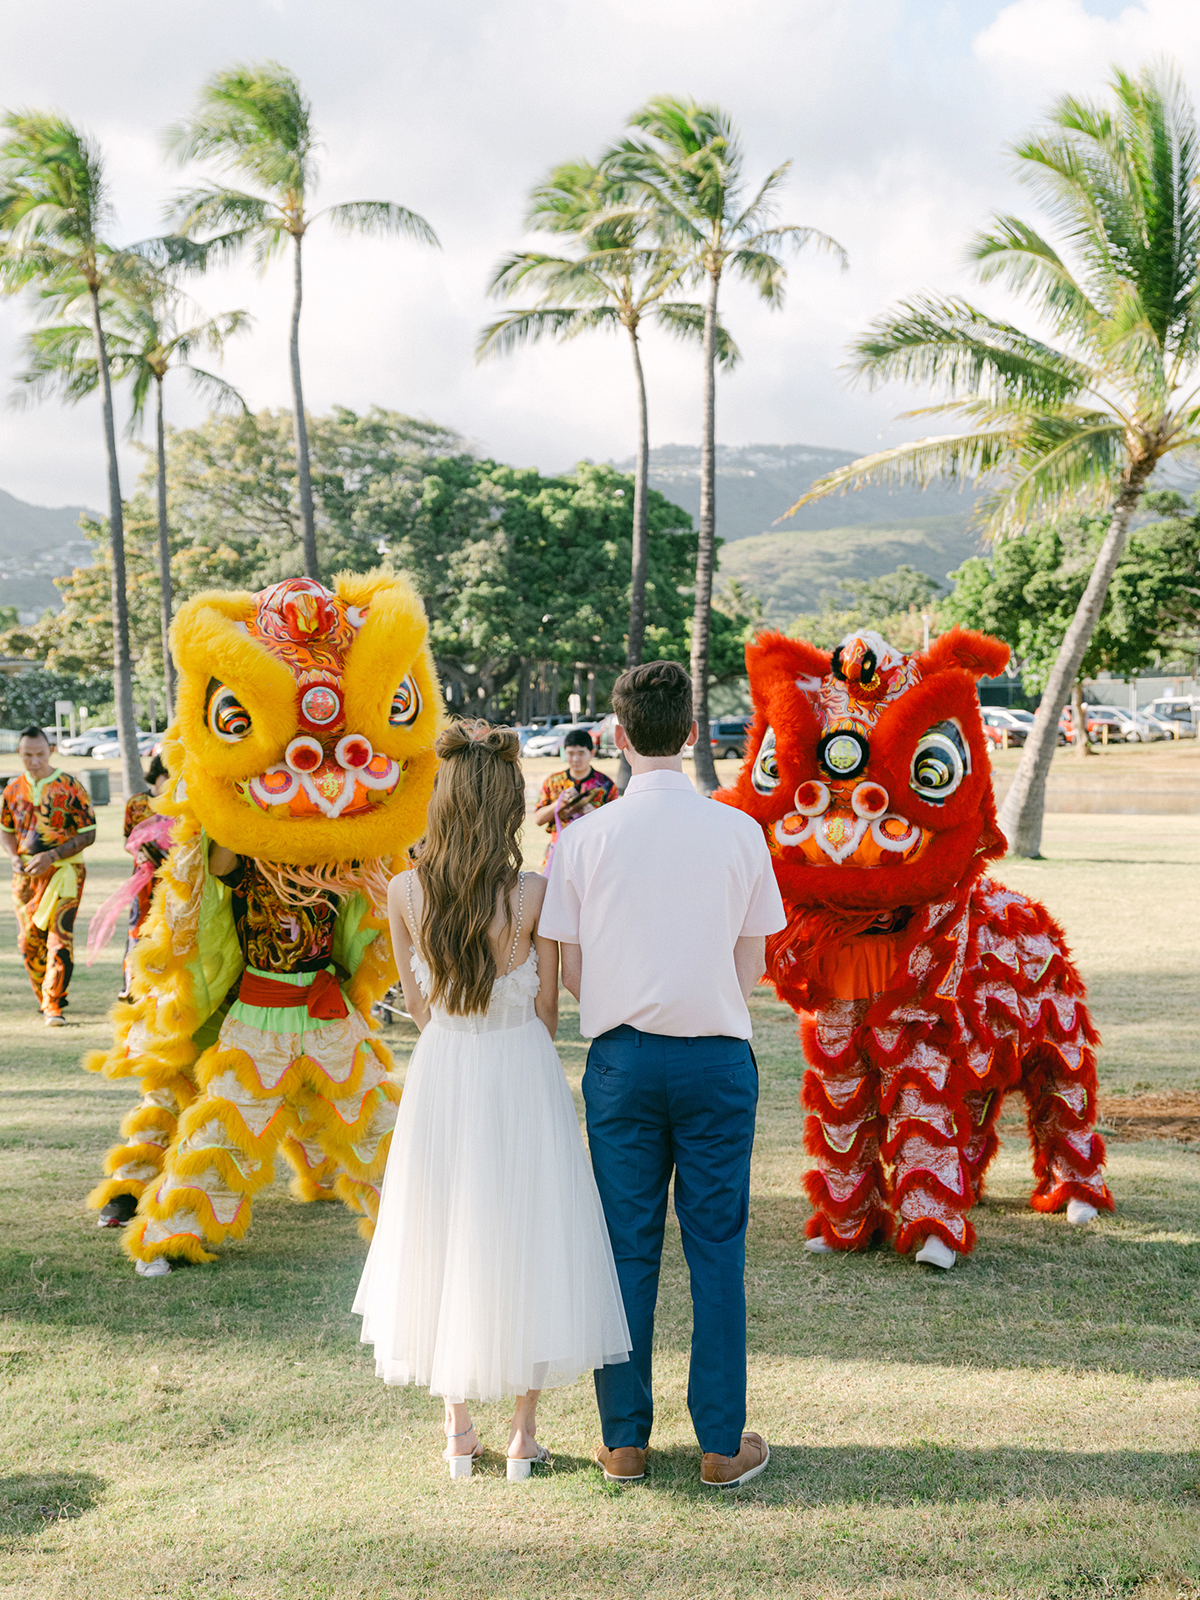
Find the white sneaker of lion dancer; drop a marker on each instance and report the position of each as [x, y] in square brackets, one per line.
[158, 1268]
[818, 1247]
[1080, 1212]
[933, 1253]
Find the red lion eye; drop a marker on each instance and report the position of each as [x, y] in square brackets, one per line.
[812, 798]
[353, 752]
[869, 800]
[304, 754]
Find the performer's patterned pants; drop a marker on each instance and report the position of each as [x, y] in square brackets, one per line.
[48, 953]
[321, 1096]
[901, 1144]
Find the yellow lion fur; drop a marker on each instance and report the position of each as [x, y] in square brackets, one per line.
[154, 1038]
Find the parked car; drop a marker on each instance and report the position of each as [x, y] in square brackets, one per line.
[605, 735]
[1179, 714]
[1001, 720]
[111, 748]
[84, 744]
[728, 738]
[1121, 726]
[1153, 727]
[549, 742]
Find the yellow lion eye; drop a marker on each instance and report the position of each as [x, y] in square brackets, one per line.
[765, 773]
[406, 704]
[227, 716]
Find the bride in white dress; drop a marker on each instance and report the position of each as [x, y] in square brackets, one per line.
[490, 1273]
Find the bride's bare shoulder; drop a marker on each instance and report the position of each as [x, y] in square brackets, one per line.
[535, 889]
[399, 889]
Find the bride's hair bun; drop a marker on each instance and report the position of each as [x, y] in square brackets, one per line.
[463, 738]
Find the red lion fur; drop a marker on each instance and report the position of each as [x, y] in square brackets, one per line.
[906, 1078]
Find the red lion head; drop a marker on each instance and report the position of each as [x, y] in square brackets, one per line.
[869, 769]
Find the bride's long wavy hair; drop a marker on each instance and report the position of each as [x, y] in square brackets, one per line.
[469, 860]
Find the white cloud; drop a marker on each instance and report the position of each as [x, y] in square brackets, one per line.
[896, 113]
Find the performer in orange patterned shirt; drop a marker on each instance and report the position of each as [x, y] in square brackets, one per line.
[573, 793]
[46, 820]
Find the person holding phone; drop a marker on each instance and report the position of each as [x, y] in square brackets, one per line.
[575, 791]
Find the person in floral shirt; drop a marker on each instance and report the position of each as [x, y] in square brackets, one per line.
[46, 820]
[575, 791]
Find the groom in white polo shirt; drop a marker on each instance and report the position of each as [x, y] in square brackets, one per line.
[661, 905]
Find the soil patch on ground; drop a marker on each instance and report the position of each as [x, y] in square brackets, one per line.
[1166, 1114]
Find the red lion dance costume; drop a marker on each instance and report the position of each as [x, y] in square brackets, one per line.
[925, 991]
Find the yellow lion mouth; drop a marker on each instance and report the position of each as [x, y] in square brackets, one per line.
[330, 789]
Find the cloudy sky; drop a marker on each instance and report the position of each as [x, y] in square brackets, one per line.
[896, 115]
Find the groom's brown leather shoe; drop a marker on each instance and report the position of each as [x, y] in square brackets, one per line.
[626, 1464]
[730, 1472]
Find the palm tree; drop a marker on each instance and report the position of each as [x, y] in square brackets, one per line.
[145, 341]
[1083, 421]
[615, 280]
[53, 213]
[691, 182]
[255, 121]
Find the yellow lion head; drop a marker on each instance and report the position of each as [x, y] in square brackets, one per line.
[305, 720]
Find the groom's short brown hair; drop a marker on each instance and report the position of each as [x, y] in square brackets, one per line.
[653, 703]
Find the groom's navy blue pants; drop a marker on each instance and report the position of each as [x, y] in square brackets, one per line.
[657, 1105]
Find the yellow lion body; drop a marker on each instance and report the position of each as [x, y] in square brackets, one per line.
[303, 744]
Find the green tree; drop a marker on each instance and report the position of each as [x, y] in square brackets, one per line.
[895, 605]
[1028, 591]
[28, 697]
[255, 121]
[688, 178]
[145, 341]
[616, 279]
[546, 576]
[1082, 423]
[54, 211]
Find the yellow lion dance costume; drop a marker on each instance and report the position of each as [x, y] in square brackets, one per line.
[302, 751]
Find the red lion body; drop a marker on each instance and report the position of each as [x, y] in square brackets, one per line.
[925, 991]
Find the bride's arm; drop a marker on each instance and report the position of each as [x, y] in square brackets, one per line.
[546, 1004]
[414, 1000]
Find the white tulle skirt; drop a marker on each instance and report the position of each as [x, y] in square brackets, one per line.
[490, 1272]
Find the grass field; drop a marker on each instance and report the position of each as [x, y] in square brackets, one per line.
[1026, 1425]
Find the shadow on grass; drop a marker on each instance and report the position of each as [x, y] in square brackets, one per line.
[926, 1474]
[29, 1501]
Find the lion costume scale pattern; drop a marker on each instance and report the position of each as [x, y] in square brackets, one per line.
[925, 991]
[303, 744]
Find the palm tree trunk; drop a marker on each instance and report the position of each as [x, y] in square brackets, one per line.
[131, 761]
[303, 477]
[706, 772]
[1021, 814]
[641, 518]
[164, 555]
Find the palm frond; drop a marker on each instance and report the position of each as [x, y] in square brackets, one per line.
[527, 327]
[1058, 464]
[948, 343]
[210, 206]
[220, 394]
[686, 321]
[796, 238]
[917, 464]
[762, 204]
[381, 219]
[1017, 254]
[560, 277]
[252, 118]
